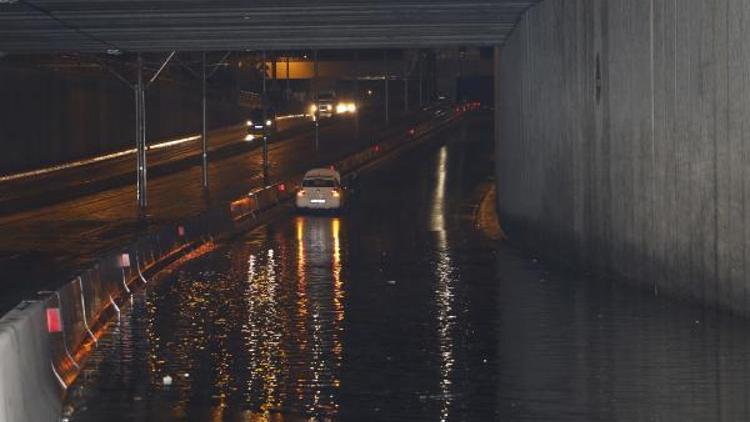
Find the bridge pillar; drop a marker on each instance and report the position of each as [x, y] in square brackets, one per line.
[387, 76]
[140, 140]
[204, 132]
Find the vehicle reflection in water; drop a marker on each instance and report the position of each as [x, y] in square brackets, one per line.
[320, 313]
[444, 289]
[235, 328]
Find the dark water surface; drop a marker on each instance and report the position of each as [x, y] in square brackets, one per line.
[400, 310]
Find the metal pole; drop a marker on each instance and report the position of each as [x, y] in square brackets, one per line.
[317, 102]
[406, 86]
[138, 162]
[428, 79]
[288, 90]
[144, 147]
[141, 140]
[421, 70]
[274, 59]
[387, 76]
[459, 93]
[264, 103]
[431, 73]
[205, 131]
[356, 94]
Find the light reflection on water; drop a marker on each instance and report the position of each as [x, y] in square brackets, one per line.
[444, 290]
[290, 360]
[297, 321]
[246, 330]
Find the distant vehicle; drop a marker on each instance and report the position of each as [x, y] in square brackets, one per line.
[259, 124]
[321, 190]
[325, 104]
[346, 107]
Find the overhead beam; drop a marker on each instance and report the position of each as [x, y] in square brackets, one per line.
[203, 25]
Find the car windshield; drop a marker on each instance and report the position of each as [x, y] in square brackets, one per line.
[257, 116]
[319, 183]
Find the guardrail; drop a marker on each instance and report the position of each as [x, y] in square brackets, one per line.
[44, 343]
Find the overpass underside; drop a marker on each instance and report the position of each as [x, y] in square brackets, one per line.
[621, 141]
[33, 26]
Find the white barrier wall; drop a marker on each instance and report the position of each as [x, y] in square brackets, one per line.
[29, 390]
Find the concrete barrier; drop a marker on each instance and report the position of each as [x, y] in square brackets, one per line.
[44, 343]
[29, 389]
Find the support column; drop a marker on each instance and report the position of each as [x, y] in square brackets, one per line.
[204, 132]
[406, 86]
[387, 97]
[288, 86]
[356, 94]
[264, 103]
[140, 140]
[459, 85]
[432, 81]
[274, 76]
[421, 76]
[317, 102]
[498, 119]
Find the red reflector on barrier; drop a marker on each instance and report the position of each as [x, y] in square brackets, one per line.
[412, 131]
[377, 148]
[282, 187]
[54, 324]
[180, 231]
[123, 260]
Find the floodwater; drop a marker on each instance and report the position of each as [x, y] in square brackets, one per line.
[401, 310]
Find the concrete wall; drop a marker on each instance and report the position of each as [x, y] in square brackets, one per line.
[48, 118]
[638, 169]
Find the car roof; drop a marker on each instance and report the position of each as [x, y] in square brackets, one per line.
[322, 173]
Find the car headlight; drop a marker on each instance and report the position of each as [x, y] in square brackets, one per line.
[341, 108]
[269, 122]
[313, 108]
[249, 122]
[351, 108]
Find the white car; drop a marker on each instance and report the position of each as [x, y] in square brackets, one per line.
[321, 190]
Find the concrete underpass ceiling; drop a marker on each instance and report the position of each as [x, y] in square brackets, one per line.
[45, 26]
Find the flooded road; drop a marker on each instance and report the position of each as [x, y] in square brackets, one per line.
[400, 310]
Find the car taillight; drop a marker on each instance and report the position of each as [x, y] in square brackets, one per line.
[336, 194]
